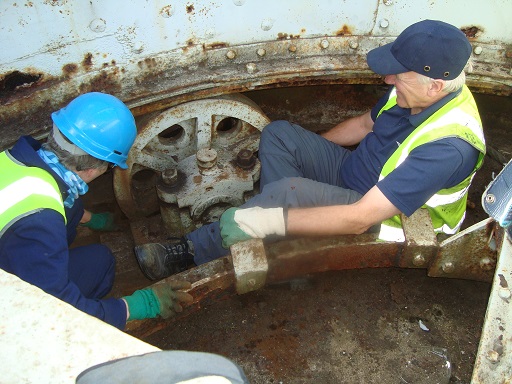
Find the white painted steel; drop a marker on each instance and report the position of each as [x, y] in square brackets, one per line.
[45, 340]
[50, 34]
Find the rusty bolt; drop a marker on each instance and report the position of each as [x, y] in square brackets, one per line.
[292, 48]
[251, 67]
[261, 52]
[324, 44]
[170, 176]
[418, 260]
[388, 2]
[477, 50]
[206, 158]
[353, 44]
[384, 23]
[448, 267]
[231, 54]
[245, 159]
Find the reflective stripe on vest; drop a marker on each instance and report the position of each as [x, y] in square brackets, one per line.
[25, 190]
[457, 118]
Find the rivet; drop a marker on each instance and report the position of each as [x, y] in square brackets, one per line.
[388, 2]
[167, 11]
[292, 48]
[231, 54]
[238, 2]
[324, 44]
[138, 47]
[490, 198]
[418, 260]
[251, 67]
[493, 356]
[486, 264]
[353, 44]
[448, 267]
[477, 50]
[504, 293]
[384, 23]
[98, 25]
[261, 52]
[267, 24]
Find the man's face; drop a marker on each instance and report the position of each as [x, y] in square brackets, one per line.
[411, 92]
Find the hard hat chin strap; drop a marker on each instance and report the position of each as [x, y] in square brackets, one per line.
[65, 144]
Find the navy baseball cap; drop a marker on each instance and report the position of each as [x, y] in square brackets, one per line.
[430, 47]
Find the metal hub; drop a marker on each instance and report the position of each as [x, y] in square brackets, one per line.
[192, 161]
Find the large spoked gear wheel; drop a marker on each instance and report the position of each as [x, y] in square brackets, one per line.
[192, 161]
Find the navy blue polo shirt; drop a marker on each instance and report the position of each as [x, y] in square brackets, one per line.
[428, 168]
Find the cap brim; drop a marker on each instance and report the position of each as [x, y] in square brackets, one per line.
[381, 61]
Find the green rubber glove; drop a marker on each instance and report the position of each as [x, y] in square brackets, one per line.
[229, 229]
[161, 299]
[250, 223]
[101, 222]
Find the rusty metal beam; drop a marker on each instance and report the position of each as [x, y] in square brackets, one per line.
[468, 255]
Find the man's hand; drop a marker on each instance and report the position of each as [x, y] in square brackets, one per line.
[251, 223]
[101, 222]
[170, 296]
[163, 299]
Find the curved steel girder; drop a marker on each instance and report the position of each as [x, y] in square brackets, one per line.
[253, 265]
[175, 77]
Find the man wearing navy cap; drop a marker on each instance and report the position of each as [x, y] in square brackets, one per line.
[418, 147]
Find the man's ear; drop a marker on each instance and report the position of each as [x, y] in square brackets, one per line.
[436, 87]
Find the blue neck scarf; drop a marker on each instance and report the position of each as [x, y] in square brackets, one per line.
[76, 185]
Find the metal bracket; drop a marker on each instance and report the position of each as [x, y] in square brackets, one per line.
[250, 265]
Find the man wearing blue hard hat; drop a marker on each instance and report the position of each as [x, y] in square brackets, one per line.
[40, 209]
[419, 146]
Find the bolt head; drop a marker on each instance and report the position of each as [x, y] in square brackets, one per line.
[448, 267]
[418, 260]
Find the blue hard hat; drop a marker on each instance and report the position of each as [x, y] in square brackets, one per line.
[100, 124]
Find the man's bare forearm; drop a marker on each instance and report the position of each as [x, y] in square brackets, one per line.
[350, 131]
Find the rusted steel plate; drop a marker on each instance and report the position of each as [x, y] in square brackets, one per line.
[470, 254]
[210, 282]
[293, 258]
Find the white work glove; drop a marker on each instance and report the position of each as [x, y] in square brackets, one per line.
[251, 223]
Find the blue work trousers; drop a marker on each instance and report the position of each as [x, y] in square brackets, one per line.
[90, 267]
[299, 168]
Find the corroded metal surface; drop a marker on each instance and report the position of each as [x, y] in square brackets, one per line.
[493, 363]
[250, 265]
[187, 157]
[210, 281]
[293, 258]
[470, 254]
[154, 56]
